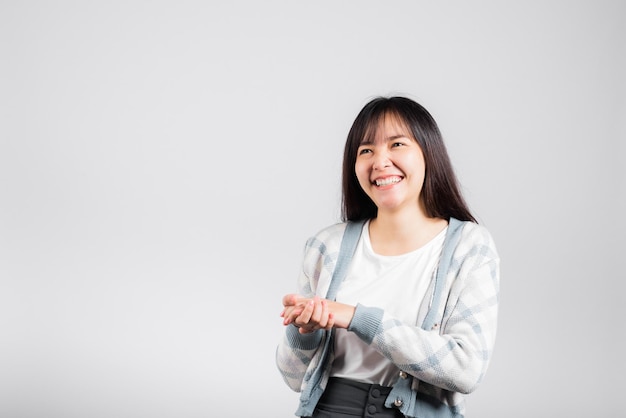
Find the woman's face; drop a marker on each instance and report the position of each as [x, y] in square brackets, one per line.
[391, 169]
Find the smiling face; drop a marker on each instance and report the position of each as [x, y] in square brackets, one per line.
[390, 167]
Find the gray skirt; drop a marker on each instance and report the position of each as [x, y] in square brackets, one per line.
[345, 398]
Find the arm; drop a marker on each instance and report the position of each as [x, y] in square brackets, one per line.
[454, 355]
[455, 358]
[297, 348]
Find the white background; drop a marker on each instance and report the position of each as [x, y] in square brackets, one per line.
[163, 162]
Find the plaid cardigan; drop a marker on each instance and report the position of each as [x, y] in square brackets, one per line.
[440, 360]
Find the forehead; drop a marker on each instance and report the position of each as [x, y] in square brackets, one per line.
[386, 126]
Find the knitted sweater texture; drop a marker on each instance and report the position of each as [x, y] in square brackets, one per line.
[443, 355]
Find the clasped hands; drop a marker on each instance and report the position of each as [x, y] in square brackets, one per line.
[312, 314]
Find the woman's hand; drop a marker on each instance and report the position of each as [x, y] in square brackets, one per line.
[308, 314]
[311, 314]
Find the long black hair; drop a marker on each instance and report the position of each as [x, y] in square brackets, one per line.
[441, 194]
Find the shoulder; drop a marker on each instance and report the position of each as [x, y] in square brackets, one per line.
[328, 239]
[320, 257]
[329, 236]
[476, 239]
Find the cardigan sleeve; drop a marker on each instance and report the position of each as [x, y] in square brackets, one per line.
[454, 355]
[296, 353]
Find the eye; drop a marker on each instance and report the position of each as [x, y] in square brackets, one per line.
[364, 151]
[397, 144]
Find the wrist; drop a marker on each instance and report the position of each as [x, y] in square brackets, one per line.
[342, 314]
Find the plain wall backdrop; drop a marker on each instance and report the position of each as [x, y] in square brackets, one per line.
[162, 164]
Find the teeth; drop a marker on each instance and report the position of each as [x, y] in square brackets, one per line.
[387, 181]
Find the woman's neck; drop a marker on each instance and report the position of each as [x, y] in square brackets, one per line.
[403, 232]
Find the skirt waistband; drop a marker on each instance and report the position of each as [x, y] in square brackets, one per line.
[348, 398]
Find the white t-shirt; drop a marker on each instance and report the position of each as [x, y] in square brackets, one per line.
[396, 284]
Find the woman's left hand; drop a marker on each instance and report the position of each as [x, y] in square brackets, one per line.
[308, 314]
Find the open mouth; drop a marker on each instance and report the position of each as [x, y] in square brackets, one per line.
[387, 181]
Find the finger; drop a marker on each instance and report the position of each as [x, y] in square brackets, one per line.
[318, 308]
[305, 330]
[331, 321]
[326, 314]
[322, 318]
[305, 316]
[291, 314]
[290, 299]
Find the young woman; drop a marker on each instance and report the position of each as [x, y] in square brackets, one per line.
[411, 328]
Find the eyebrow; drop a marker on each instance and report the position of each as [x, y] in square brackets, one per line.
[369, 139]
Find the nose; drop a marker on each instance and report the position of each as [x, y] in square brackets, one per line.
[381, 161]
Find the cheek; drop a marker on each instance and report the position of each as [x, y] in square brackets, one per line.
[362, 174]
[419, 167]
